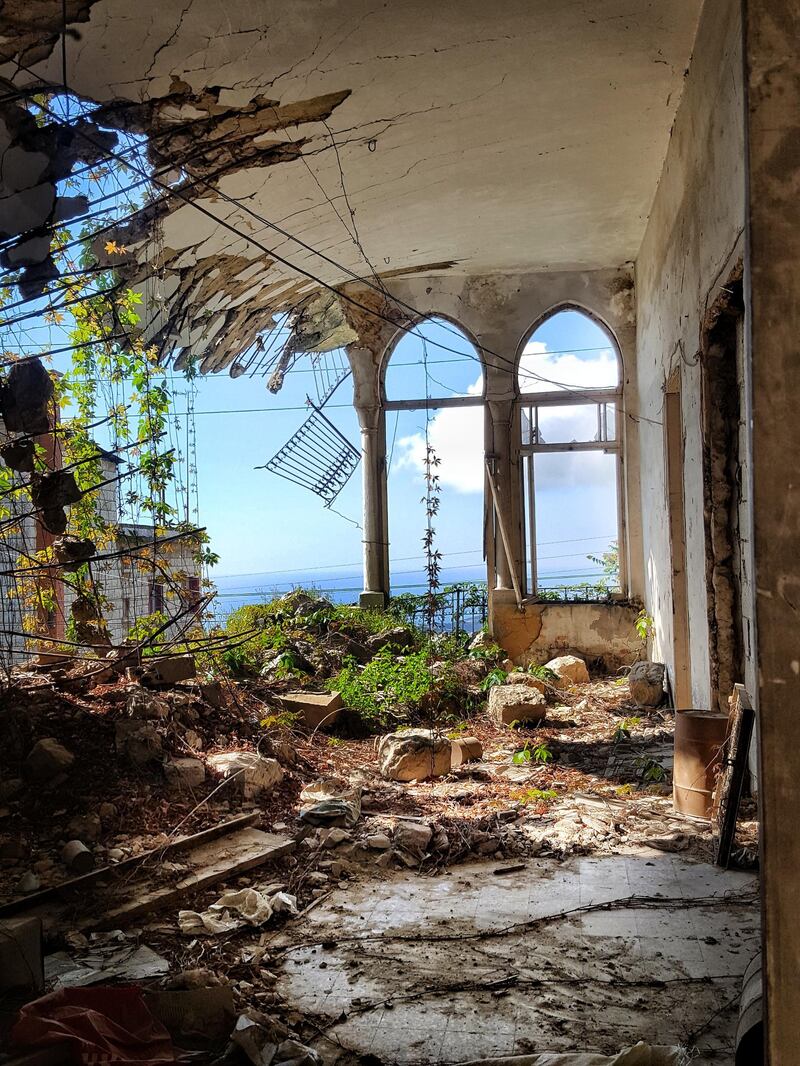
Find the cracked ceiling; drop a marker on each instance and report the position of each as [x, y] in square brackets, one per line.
[389, 137]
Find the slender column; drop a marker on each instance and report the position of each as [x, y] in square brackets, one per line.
[772, 267]
[375, 546]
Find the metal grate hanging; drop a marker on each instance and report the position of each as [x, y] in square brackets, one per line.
[330, 370]
[317, 456]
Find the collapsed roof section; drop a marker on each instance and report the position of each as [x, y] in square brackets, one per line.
[293, 152]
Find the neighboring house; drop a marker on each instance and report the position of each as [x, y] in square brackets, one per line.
[140, 575]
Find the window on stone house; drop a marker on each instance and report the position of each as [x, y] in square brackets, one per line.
[191, 592]
[570, 458]
[157, 603]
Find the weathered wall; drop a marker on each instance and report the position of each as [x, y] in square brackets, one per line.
[602, 632]
[690, 247]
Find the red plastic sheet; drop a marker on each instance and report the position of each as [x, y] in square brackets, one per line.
[101, 1025]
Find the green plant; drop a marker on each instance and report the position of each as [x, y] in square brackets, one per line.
[624, 729]
[644, 625]
[543, 673]
[651, 771]
[539, 753]
[390, 685]
[608, 561]
[535, 795]
[494, 677]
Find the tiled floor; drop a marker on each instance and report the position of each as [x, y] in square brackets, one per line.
[469, 965]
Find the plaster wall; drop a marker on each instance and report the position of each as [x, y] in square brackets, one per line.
[599, 632]
[691, 244]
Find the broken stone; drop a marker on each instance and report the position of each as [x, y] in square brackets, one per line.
[440, 841]
[330, 801]
[569, 670]
[28, 883]
[213, 693]
[516, 703]
[167, 670]
[646, 682]
[139, 741]
[194, 740]
[414, 755]
[384, 860]
[400, 637]
[77, 857]
[519, 677]
[85, 827]
[254, 775]
[378, 842]
[465, 749]
[116, 854]
[330, 838]
[184, 774]
[413, 838]
[144, 704]
[317, 708]
[108, 813]
[47, 759]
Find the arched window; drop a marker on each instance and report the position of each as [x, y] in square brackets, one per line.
[433, 396]
[569, 379]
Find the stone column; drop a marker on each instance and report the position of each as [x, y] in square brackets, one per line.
[772, 268]
[375, 541]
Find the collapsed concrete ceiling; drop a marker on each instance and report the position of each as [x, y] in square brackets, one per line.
[392, 138]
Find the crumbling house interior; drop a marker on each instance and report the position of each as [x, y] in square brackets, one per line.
[543, 863]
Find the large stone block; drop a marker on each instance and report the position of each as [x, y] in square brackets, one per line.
[569, 670]
[254, 775]
[317, 708]
[646, 682]
[516, 703]
[414, 755]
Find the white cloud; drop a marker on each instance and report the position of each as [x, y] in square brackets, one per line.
[456, 433]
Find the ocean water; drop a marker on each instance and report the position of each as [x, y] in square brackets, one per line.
[344, 585]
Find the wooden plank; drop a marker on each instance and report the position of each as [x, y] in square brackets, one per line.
[213, 862]
[98, 878]
[728, 793]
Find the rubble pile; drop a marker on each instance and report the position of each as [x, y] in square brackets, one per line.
[230, 806]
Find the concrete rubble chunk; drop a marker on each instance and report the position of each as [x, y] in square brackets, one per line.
[185, 774]
[646, 682]
[378, 842]
[412, 838]
[465, 749]
[28, 883]
[516, 703]
[47, 759]
[317, 708]
[519, 677]
[255, 775]
[569, 669]
[139, 741]
[144, 704]
[167, 670]
[414, 755]
[400, 637]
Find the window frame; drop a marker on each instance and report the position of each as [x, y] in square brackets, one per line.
[599, 397]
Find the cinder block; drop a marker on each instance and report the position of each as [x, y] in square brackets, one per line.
[21, 961]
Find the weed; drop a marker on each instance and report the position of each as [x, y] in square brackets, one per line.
[389, 684]
[644, 625]
[535, 795]
[651, 771]
[281, 720]
[539, 753]
[625, 790]
[494, 677]
[624, 729]
[544, 673]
